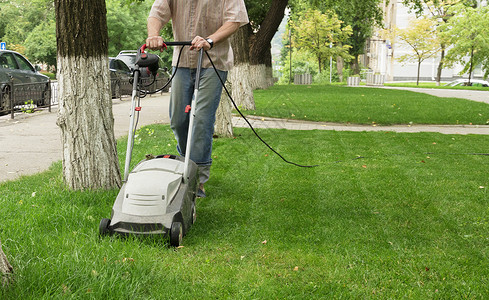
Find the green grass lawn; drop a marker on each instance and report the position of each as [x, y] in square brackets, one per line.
[385, 215]
[330, 103]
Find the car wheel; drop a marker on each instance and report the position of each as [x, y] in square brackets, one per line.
[5, 99]
[176, 234]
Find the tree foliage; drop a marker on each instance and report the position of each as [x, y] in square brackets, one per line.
[322, 34]
[361, 15]
[28, 24]
[40, 44]
[435, 7]
[469, 32]
[257, 11]
[421, 37]
[440, 11]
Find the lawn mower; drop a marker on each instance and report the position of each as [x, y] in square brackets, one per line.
[158, 196]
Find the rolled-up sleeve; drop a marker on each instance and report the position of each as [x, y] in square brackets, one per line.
[235, 11]
[161, 10]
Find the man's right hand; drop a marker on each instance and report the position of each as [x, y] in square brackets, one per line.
[155, 43]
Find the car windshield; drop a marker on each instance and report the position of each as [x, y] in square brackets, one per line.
[130, 60]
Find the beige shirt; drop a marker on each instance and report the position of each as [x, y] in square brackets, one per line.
[200, 17]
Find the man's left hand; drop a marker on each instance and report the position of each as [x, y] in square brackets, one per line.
[198, 43]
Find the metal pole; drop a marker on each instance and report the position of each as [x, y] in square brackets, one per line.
[330, 63]
[290, 55]
[193, 110]
[11, 97]
[130, 136]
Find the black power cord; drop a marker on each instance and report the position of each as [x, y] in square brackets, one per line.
[248, 122]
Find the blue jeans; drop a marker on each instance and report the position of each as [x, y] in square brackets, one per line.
[182, 92]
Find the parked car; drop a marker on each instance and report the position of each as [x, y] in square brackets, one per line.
[20, 81]
[129, 57]
[465, 82]
[120, 75]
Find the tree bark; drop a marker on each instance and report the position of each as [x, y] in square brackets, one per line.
[419, 69]
[85, 106]
[471, 65]
[5, 268]
[440, 65]
[239, 76]
[223, 126]
[355, 66]
[340, 63]
[260, 55]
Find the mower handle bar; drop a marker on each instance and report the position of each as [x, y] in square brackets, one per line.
[143, 47]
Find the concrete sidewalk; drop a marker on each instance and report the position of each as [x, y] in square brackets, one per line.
[479, 96]
[266, 122]
[30, 143]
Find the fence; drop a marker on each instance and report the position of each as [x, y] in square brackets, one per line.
[353, 81]
[375, 79]
[25, 97]
[303, 79]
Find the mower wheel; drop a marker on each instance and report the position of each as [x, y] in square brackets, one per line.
[176, 234]
[103, 228]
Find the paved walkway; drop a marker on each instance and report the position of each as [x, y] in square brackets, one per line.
[30, 143]
[479, 96]
[265, 122]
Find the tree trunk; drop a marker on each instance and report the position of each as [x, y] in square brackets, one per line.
[355, 66]
[260, 55]
[239, 76]
[471, 65]
[85, 106]
[5, 268]
[340, 64]
[440, 65]
[241, 82]
[419, 69]
[223, 127]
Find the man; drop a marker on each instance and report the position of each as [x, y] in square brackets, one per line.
[208, 24]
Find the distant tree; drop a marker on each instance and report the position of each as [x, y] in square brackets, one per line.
[252, 49]
[41, 43]
[438, 10]
[20, 17]
[322, 34]
[261, 72]
[468, 31]
[362, 15]
[420, 36]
